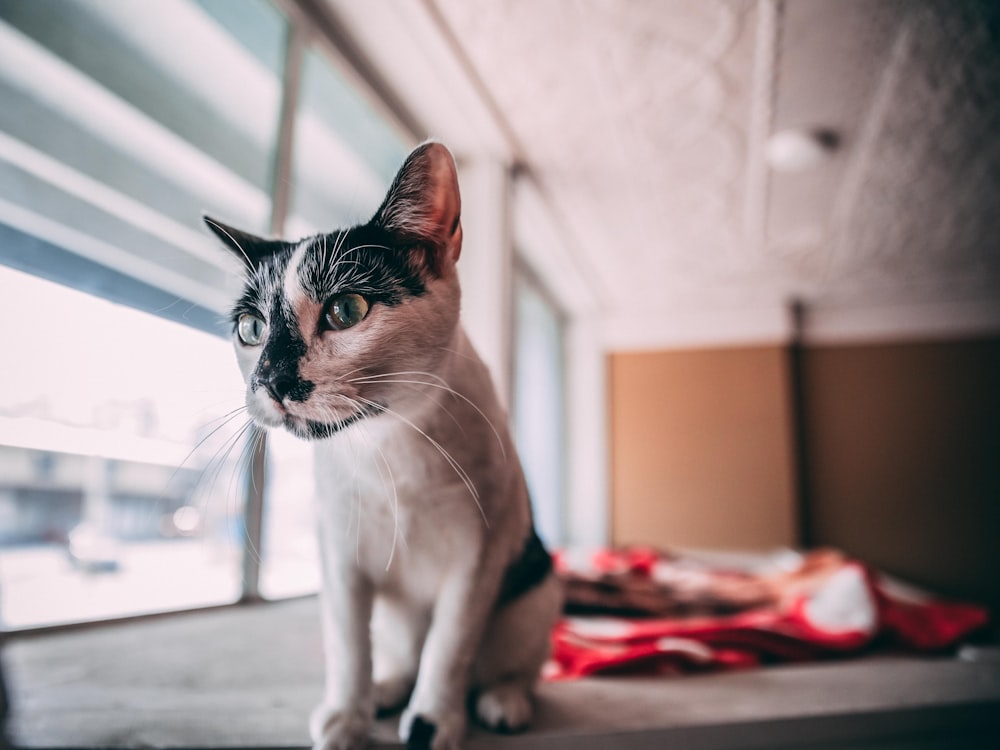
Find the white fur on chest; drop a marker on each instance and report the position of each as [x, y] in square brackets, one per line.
[391, 504]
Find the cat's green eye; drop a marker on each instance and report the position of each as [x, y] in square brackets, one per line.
[346, 310]
[250, 329]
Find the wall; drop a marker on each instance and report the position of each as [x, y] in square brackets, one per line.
[700, 449]
[905, 459]
[903, 448]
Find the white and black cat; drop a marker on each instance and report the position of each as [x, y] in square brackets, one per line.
[435, 586]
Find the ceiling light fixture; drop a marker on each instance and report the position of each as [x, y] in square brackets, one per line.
[799, 149]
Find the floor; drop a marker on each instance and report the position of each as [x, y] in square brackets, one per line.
[248, 676]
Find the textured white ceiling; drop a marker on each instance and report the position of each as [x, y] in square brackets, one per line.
[645, 122]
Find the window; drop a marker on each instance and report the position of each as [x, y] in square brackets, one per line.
[112, 143]
[121, 429]
[116, 497]
[540, 404]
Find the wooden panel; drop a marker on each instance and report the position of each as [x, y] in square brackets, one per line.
[700, 449]
[905, 457]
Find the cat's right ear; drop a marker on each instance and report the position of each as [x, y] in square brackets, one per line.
[423, 204]
[249, 248]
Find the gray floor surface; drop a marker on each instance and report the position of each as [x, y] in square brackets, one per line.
[248, 676]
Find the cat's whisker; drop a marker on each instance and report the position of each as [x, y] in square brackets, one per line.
[221, 458]
[244, 460]
[245, 466]
[433, 398]
[463, 355]
[340, 378]
[341, 239]
[214, 409]
[338, 257]
[241, 467]
[397, 373]
[211, 463]
[345, 262]
[462, 474]
[214, 465]
[369, 247]
[453, 392]
[225, 420]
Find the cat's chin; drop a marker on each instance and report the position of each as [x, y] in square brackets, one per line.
[308, 429]
[304, 428]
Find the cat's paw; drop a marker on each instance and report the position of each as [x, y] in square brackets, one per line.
[339, 729]
[391, 694]
[504, 708]
[422, 731]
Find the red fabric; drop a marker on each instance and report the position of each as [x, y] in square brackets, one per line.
[814, 606]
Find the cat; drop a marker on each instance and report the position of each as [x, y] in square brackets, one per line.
[436, 589]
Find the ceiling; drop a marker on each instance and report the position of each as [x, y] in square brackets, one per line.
[645, 126]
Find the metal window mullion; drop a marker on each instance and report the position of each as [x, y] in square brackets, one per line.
[281, 187]
[332, 35]
[281, 182]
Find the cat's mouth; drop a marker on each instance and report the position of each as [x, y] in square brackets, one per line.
[310, 429]
[269, 413]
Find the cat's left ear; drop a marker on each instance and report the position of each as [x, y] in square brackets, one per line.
[423, 204]
[249, 248]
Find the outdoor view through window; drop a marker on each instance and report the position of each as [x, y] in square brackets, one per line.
[119, 486]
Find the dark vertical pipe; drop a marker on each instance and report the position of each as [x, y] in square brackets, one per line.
[800, 434]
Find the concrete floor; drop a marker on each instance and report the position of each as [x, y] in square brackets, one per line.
[248, 676]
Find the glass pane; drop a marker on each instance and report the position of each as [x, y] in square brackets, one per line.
[119, 480]
[123, 121]
[539, 406]
[346, 154]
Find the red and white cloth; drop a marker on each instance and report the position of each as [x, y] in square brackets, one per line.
[644, 611]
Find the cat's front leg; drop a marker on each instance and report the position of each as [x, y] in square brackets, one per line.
[343, 720]
[436, 715]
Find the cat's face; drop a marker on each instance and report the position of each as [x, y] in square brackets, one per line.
[325, 326]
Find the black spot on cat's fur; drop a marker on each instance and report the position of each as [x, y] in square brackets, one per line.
[527, 571]
[365, 260]
[322, 430]
[262, 284]
[301, 390]
[279, 361]
[421, 734]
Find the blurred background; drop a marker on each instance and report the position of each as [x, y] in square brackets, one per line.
[734, 265]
